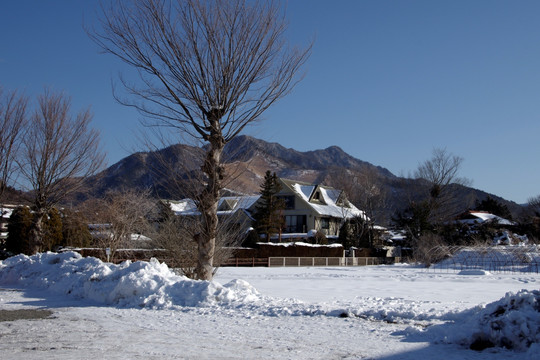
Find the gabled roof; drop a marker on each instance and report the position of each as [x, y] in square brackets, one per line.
[324, 200]
[226, 205]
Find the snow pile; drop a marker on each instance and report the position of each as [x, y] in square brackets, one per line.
[139, 284]
[512, 322]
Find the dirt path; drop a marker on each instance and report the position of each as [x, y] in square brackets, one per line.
[24, 314]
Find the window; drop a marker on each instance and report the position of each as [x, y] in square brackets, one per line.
[325, 223]
[295, 223]
[288, 201]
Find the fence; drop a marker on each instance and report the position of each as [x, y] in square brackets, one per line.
[497, 259]
[325, 261]
[280, 261]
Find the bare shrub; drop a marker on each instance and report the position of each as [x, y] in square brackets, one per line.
[120, 215]
[177, 234]
[430, 248]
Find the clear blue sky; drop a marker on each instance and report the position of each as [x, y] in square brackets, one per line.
[387, 81]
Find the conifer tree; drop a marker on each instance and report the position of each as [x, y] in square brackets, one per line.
[19, 225]
[52, 230]
[268, 216]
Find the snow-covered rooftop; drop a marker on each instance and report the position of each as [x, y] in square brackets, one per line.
[227, 205]
[476, 217]
[328, 205]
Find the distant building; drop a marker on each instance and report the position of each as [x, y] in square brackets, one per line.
[308, 208]
[474, 217]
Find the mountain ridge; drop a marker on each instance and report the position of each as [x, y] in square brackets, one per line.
[246, 160]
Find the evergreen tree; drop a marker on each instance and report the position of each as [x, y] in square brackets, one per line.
[52, 230]
[75, 232]
[19, 225]
[268, 217]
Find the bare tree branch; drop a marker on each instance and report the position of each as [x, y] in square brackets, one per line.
[58, 153]
[207, 69]
[12, 127]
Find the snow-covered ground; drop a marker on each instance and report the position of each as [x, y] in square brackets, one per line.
[143, 311]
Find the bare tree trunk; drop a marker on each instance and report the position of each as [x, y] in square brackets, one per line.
[208, 203]
[36, 232]
[208, 68]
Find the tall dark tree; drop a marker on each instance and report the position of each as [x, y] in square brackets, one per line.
[52, 234]
[269, 208]
[208, 68]
[19, 226]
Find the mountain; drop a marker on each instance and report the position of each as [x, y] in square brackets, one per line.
[166, 171]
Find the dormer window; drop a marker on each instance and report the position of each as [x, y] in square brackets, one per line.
[227, 205]
[318, 197]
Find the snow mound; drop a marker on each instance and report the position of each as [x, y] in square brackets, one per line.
[512, 322]
[130, 284]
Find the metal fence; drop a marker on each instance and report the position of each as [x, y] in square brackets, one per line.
[497, 259]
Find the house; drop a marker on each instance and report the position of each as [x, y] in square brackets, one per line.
[474, 217]
[308, 208]
[235, 210]
[5, 214]
[311, 207]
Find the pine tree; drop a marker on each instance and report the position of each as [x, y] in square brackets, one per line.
[52, 226]
[268, 211]
[19, 225]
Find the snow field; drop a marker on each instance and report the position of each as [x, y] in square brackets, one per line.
[143, 310]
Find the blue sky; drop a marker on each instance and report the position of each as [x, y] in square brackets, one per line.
[387, 81]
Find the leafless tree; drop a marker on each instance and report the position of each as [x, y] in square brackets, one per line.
[440, 176]
[58, 153]
[119, 216]
[534, 203]
[12, 126]
[364, 188]
[208, 69]
[175, 234]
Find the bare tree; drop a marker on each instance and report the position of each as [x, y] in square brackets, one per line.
[12, 126]
[119, 216]
[58, 153]
[208, 69]
[175, 235]
[534, 204]
[440, 174]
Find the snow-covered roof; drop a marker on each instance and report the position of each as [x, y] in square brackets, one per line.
[226, 205]
[6, 212]
[478, 217]
[328, 204]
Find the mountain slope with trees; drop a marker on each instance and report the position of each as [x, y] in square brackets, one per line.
[247, 159]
